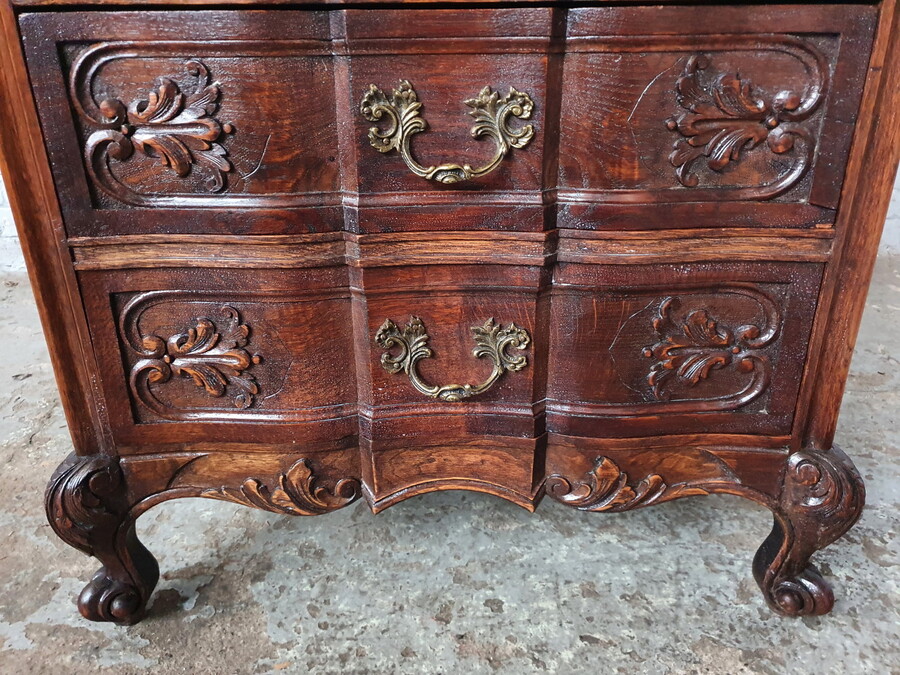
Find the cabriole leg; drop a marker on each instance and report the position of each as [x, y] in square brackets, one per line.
[87, 507]
[822, 498]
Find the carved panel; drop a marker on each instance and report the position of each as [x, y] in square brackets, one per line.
[680, 352]
[188, 124]
[230, 356]
[717, 113]
[274, 79]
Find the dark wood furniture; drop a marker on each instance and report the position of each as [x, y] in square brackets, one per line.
[259, 282]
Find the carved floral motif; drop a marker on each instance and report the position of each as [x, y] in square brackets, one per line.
[607, 488]
[214, 358]
[179, 129]
[690, 349]
[297, 493]
[726, 117]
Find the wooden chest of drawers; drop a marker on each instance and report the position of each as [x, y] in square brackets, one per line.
[278, 264]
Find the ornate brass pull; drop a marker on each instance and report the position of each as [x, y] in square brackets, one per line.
[491, 113]
[491, 341]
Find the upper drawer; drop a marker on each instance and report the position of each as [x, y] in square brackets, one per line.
[707, 116]
[264, 122]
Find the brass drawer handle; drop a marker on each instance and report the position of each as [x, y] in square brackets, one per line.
[491, 113]
[491, 341]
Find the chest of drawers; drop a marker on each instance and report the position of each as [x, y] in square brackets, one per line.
[610, 255]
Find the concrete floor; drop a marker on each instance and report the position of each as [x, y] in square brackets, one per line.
[449, 582]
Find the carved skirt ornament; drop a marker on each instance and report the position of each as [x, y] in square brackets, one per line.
[175, 124]
[297, 493]
[607, 488]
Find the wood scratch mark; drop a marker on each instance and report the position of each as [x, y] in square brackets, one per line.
[637, 103]
[261, 156]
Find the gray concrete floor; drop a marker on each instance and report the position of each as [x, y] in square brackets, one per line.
[449, 582]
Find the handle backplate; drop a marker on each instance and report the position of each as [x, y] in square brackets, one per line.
[491, 342]
[492, 116]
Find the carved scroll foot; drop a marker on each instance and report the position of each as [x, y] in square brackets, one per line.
[822, 498]
[87, 507]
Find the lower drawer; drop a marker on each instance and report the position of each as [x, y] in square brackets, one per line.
[674, 349]
[450, 354]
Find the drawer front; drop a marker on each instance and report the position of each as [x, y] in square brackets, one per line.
[679, 116]
[469, 70]
[679, 349]
[407, 120]
[229, 352]
[454, 340]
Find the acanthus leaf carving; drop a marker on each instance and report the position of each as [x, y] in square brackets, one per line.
[725, 118]
[689, 350]
[214, 358]
[297, 493]
[179, 129]
[607, 488]
[82, 499]
[824, 485]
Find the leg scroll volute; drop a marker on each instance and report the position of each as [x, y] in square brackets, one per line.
[822, 497]
[87, 507]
